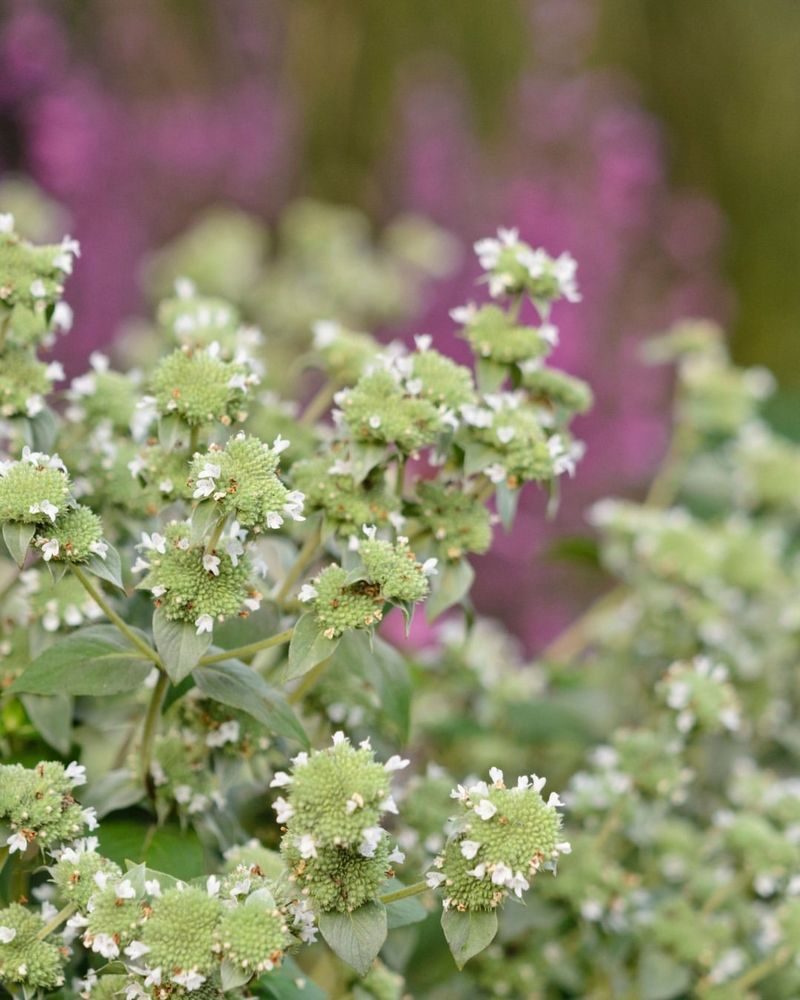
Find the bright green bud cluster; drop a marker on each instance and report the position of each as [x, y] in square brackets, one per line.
[201, 388]
[33, 490]
[494, 335]
[335, 794]
[180, 771]
[24, 381]
[440, 380]
[395, 569]
[557, 389]
[181, 931]
[378, 409]
[459, 522]
[37, 804]
[114, 916]
[24, 959]
[103, 395]
[198, 320]
[32, 283]
[241, 480]
[74, 874]
[148, 478]
[74, 537]
[346, 503]
[336, 879]
[344, 353]
[716, 398]
[503, 837]
[253, 936]
[700, 693]
[333, 842]
[514, 444]
[340, 605]
[515, 268]
[189, 583]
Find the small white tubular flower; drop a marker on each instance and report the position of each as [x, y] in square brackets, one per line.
[307, 846]
[485, 809]
[17, 842]
[125, 890]
[434, 879]
[497, 777]
[105, 945]
[307, 593]
[518, 884]
[135, 950]
[501, 874]
[397, 856]
[469, 848]
[372, 836]
[283, 810]
[213, 885]
[50, 549]
[204, 488]
[395, 763]
[280, 780]
[7, 935]
[205, 623]
[189, 979]
[211, 564]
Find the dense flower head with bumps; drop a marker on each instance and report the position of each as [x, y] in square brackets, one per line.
[201, 387]
[38, 806]
[24, 958]
[33, 490]
[503, 837]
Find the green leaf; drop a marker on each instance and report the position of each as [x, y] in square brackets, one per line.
[172, 433]
[17, 537]
[660, 976]
[356, 937]
[478, 457]
[179, 645]
[233, 683]
[117, 789]
[41, 430]
[489, 375]
[108, 569]
[232, 977]
[202, 517]
[96, 660]
[168, 849]
[52, 716]
[289, 982]
[449, 586]
[308, 647]
[507, 503]
[468, 933]
[364, 458]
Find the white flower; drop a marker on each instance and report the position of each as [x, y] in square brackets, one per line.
[371, 837]
[395, 763]
[205, 623]
[423, 341]
[17, 842]
[307, 593]
[125, 890]
[325, 332]
[55, 371]
[293, 506]
[389, 805]
[274, 520]
[280, 780]
[50, 549]
[190, 979]
[518, 884]
[356, 801]
[501, 874]
[37, 289]
[152, 887]
[429, 567]
[479, 871]
[7, 935]
[485, 809]
[554, 800]
[434, 879]
[76, 773]
[280, 444]
[564, 847]
[307, 846]
[204, 488]
[339, 739]
[537, 783]
[213, 885]
[101, 880]
[397, 856]
[100, 548]
[136, 949]
[469, 848]
[497, 777]
[211, 564]
[209, 471]
[284, 810]
[90, 817]
[156, 542]
[238, 381]
[153, 977]
[105, 945]
[227, 732]
[44, 507]
[6, 222]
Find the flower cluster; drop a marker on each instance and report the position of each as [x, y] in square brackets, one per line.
[503, 837]
[38, 806]
[333, 843]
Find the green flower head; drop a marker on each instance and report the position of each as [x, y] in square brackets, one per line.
[513, 268]
[336, 879]
[438, 379]
[198, 321]
[557, 388]
[191, 584]
[24, 959]
[254, 935]
[24, 382]
[340, 605]
[201, 388]
[344, 353]
[80, 870]
[394, 567]
[104, 395]
[37, 804]
[330, 487]
[503, 836]
[73, 537]
[494, 335]
[180, 932]
[459, 522]
[241, 479]
[33, 490]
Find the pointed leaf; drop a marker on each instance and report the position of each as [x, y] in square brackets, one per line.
[450, 585]
[507, 503]
[202, 517]
[356, 937]
[108, 569]
[489, 375]
[402, 912]
[468, 933]
[233, 683]
[173, 433]
[308, 647]
[179, 645]
[232, 977]
[17, 537]
[96, 660]
[52, 716]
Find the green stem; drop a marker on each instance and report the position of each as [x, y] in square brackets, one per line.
[5, 854]
[318, 404]
[96, 595]
[304, 557]
[401, 476]
[194, 439]
[308, 681]
[577, 636]
[749, 978]
[151, 727]
[216, 534]
[249, 650]
[57, 921]
[410, 890]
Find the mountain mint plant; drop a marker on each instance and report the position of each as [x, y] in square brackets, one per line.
[196, 578]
